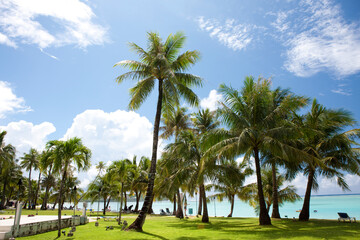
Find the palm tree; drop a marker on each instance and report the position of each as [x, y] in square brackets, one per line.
[7, 156]
[287, 194]
[160, 63]
[174, 122]
[323, 137]
[229, 181]
[46, 164]
[65, 153]
[139, 182]
[29, 161]
[251, 116]
[120, 172]
[100, 167]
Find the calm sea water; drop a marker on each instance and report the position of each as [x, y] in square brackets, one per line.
[321, 207]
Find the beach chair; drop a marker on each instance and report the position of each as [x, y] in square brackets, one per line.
[162, 212]
[168, 211]
[345, 216]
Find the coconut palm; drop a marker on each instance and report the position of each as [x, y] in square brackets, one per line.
[100, 167]
[139, 182]
[250, 116]
[121, 171]
[71, 151]
[324, 138]
[160, 63]
[229, 180]
[174, 121]
[287, 194]
[7, 158]
[46, 164]
[30, 161]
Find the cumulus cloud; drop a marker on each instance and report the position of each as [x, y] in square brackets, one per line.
[25, 135]
[212, 101]
[9, 102]
[24, 21]
[319, 39]
[232, 35]
[112, 136]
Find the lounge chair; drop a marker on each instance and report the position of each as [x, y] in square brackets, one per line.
[168, 211]
[162, 212]
[345, 216]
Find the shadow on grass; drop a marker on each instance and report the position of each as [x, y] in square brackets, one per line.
[280, 229]
[153, 235]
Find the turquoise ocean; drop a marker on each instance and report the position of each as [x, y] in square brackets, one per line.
[321, 207]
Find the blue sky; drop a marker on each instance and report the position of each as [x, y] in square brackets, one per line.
[57, 78]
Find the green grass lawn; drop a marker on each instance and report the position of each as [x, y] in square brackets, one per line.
[161, 227]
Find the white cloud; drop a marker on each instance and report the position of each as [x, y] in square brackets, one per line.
[320, 39]
[341, 91]
[5, 40]
[211, 102]
[84, 183]
[9, 102]
[230, 34]
[25, 135]
[20, 23]
[112, 136]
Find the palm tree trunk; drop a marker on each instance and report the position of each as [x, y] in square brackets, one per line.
[174, 209]
[200, 202]
[104, 210]
[275, 208]
[44, 205]
[232, 199]
[60, 202]
[30, 190]
[37, 189]
[179, 212]
[125, 200]
[305, 211]
[205, 216]
[121, 201]
[264, 218]
[137, 201]
[2, 206]
[140, 220]
[108, 202]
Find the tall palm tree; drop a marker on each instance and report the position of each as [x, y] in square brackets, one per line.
[7, 158]
[65, 153]
[174, 122]
[160, 63]
[250, 116]
[324, 138]
[30, 161]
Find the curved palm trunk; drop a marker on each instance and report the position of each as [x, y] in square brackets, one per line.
[305, 211]
[30, 190]
[139, 222]
[205, 216]
[37, 190]
[108, 202]
[275, 208]
[60, 202]
[232, 199]
[200, 202]
[264, 218]
[179, 212]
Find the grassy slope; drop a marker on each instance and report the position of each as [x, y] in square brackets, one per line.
[220, 228]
